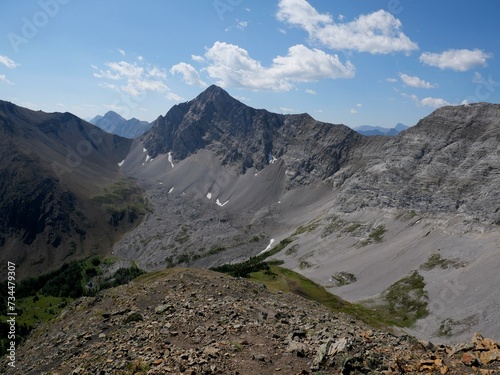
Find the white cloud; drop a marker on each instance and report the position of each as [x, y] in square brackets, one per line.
[242, 25]
[392, 80]
[288, 110]
[359, 105]
[310, 92]
[302, 14]
[304, 65]
[197, 58]
[414, 81]
[477, 78]
[4, 60]
[232, 66]
[136, 79]
[4, 79]
[427, 102]
[140, 58]
[122, 52]
[377, 33]
[174, 97]
[353, 111]
[459, 60]
[189, 74]
[108, 86]
[157, 72]
[433, 102]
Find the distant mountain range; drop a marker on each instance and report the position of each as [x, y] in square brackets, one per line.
[113, 123]
[369, 130]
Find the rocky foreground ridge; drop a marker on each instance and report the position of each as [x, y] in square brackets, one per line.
[189, 321]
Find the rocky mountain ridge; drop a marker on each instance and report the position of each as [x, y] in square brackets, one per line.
[200, 322]
[448, 163]
[114, 123]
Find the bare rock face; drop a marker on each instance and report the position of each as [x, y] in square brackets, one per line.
[201, 322]
[448, 163]
[244, 137]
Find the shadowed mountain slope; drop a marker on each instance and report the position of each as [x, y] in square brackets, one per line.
[53, 166]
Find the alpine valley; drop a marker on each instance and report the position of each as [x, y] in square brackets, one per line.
[405, 226]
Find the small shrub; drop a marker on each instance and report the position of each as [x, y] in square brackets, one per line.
[351, 228]
[435, 260]
[377, 234]
[304, 264]
[343, 278]
[292, 250]
[446, 328]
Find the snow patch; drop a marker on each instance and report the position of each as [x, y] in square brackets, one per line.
[121, 163]
[271, 159]
[171, 190]
[221, 204]
[171, 159]
[147, 158]
[209, 195]
[144, 149]
[268, 246]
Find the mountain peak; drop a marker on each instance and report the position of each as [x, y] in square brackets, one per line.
[216, 94]
[114, 115]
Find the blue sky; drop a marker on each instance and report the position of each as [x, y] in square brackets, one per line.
[342, 61]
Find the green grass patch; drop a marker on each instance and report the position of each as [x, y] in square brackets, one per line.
[253, 264]
[351, 228]
[376, 235]
[41, 298]
[406, 215]
[343, 278]
[287, 281]
[306, 228]
[446, 328]
[404, 302]
[304, 264]
[436, 261]
[292, 250]
[122, 201]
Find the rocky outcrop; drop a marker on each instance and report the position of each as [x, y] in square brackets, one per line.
[200, 322]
